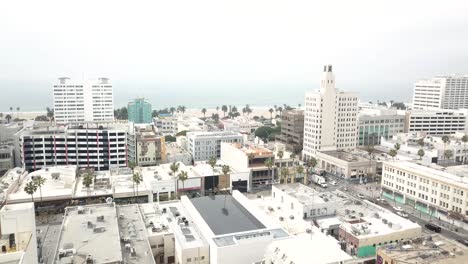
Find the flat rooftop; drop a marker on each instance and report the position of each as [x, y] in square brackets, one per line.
[134, 236]
[225, 215]
[436, 250]
[89, 231]
[306, 195]
[346, 156]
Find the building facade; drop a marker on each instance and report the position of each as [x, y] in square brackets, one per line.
[140, 111]
[431, 189]
[83, 101]
[86, 145]
[446, 92]
[376, 123]
[436, 122]
[292, 130]
[145, 147]
[206, 145]
[330, 119]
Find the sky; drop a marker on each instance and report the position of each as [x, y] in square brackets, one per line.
[206, 53]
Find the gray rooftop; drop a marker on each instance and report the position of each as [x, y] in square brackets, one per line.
[225, 215]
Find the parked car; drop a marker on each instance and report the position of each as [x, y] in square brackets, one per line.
[397, 208]
[360, 196]
[463, 241]
[332, 183]
[402, 214]
[433, 227]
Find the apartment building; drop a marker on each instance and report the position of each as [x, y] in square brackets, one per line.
[206, 145]
[292, 130]
[330, 119]
[139, 111]
[83, 101]
[434, 190]
[377, 123]
[145, 146]
[100, 146]
[436, 121]
[445, 92]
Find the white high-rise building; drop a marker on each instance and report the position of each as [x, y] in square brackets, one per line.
[330, 121]
[83, 101]
[446, 92]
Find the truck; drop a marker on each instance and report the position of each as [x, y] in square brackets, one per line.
[319, 180]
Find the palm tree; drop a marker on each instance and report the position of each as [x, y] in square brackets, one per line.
[244, 110]
[397, 147]
[446, 140]
[421, 142]
[421, 153]
[217, 109]
[293, 157]
[280, 109]
[172, 110]
[280, 155]
[174, 168]
[87, 180]
[225, 169]
[250, 157]
[464, 139]
[17, 112]
[50, 113]
[8, 118]
[271, 113]
[30, 188]
[204, 112]
[392, 153]
[224, 108]
[212, 161]
[183, 176]
[311, 163]
[269, 164]
[131, 165]
[137, 179]
[284, 175]
[448, 154]
[234, 109]
[39, 181]
[299, 170]
[182, 109]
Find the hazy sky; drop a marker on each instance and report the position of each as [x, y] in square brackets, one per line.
[220, 49]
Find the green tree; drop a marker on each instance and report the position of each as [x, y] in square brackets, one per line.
[300, 171]
[293, 157]
[224, 108]
[169, 138]
[8, 118]
[310, 164]
[284, 175]
[397, 146]
[183, 176]
[50, 113]
[172, 110]
[182, 109]
[446, 140]
[174, 168]
[87, 180]
[448, 154]
[42, 118]
[280, 155]
[182, 133]
[464, 139]
[421, 142]
[271, 113]
[136, 179]
[421, 153]
[204, 112]
[392, 153]
[39, 181]
[30, 188]
[280, 110]
[269, 164]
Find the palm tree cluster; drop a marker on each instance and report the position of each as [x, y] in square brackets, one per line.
[32, 186]
[230, 110]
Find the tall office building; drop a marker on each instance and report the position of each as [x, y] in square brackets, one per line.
[330, 121]
[139, 111]
[446, 92]
[83, 101]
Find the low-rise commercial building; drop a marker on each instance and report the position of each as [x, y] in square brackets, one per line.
[436, 121]
[377, 123]
[145, 147]
[346, 164]
[165, 124]
[206, 145]
[176, 153]
[7, 158]
[434, 190]
[240, 124]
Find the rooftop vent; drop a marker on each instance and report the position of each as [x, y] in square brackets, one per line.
[100, 218]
